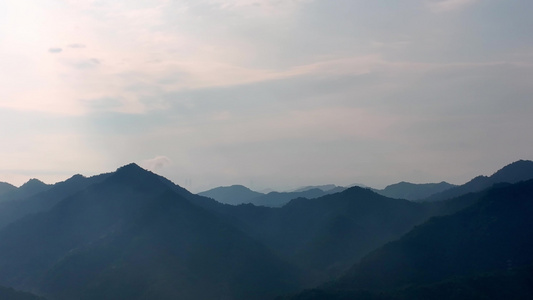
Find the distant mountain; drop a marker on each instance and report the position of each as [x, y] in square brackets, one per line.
[25, 203]
[238, 194]
[330, 233]
[233, 195]
[325, 187]
[414, 191]
[30, 188]
[134, 235]
[493, 235]
[518, 171]
[278, 199]
[6, 188]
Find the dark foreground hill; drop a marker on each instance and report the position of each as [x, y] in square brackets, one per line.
[514, 284]
[11, 294]
[132, 236]
[488, 245]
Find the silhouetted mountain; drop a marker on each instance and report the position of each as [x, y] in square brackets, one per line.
[30, 188]
[6, 188]
[234, 195]
[413, 191]
[11, 294]
[15, 209]
[278, 199]
[513, 284]
[515, 172]
[493, 235]
[133, 236]
[33, 186]
[330, 233]
[325, 188]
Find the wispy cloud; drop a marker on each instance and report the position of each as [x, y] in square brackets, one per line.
[156, 163]
[450, 5]
[55, 50]
[263, 6]
[76, 46]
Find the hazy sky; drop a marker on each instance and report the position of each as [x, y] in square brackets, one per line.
[266, 93]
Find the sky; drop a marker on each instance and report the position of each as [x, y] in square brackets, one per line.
[265, 93]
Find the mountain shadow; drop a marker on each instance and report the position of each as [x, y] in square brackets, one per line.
[133, 236]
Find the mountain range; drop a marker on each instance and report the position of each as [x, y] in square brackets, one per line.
[132, 234]
[238, 194]
[414, 191]
[486, 244]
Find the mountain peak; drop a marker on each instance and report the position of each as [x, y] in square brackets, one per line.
[34, 182]
[234, 195]
[130, 167]
[517, 171]
[133, 174]
[133, 170]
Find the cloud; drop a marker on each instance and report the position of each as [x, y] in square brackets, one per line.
[86, 63]
[76, 46]
[55, 50]
[269, 7]
[450, 5]
[156, 163]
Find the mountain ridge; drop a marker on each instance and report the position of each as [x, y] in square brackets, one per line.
[512, 173]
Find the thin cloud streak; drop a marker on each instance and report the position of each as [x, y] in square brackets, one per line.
[450, 5]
